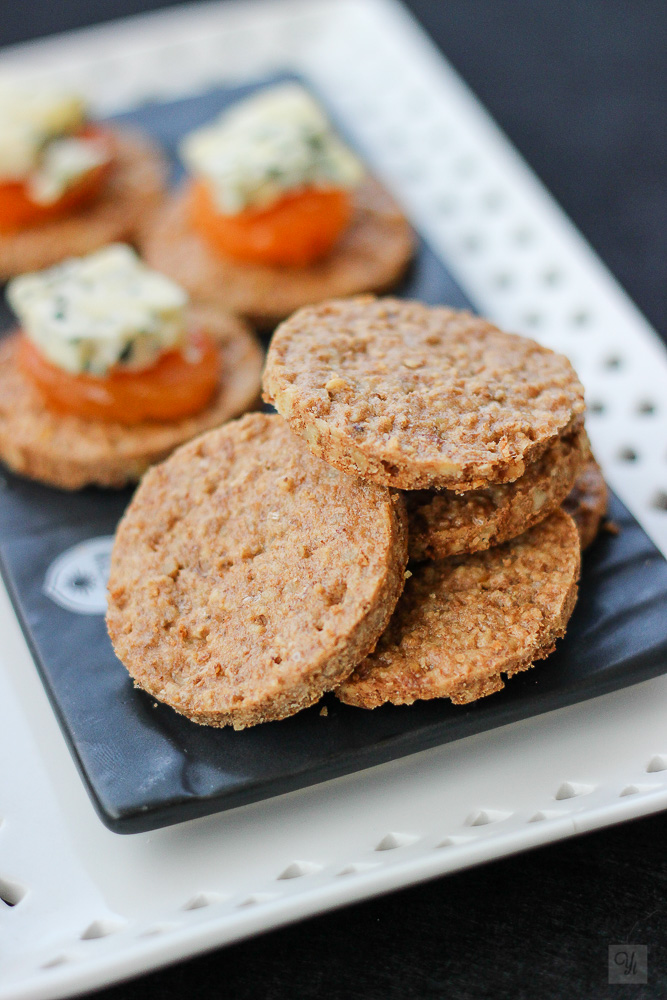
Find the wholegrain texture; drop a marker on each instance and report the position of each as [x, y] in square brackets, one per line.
[70, 452]
[587, 502]
[446, 523]
[248, 578]
[130, 195]
[464, 622]
[370, 256]
[419, 397]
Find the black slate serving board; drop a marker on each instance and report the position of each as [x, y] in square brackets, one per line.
[146, 767]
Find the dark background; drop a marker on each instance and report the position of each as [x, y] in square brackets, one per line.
[579, 87]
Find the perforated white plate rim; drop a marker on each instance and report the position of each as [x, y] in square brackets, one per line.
[89, 907]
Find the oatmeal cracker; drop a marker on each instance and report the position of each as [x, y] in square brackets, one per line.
[587, 502]
[446, 523]
[463, 622]
[473, 407]
[237, 603]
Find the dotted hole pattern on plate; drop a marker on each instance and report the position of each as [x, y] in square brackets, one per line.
[475, 828]
[11, 892]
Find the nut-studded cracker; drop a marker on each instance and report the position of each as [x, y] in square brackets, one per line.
[418, 397]
[587, 502]
[248, 577]
[442, 524]
[463, 622]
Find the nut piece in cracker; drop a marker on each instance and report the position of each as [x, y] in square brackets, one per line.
[248, 578]
[445, 523]
[463, 622]
[67, 185]
[277, 213]
[418, 397]
[113, 369]
[587, 502]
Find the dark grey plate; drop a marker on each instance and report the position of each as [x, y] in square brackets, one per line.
[145, 766]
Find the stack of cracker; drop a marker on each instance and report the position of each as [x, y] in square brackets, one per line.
[265, 563]
[482, 432]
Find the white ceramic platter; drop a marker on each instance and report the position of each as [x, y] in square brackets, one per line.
[91, 907]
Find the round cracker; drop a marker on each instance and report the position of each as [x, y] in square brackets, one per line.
[69, 452]
[446, 524]
[464, 622]
[587, 502]
[130, 195]
[371, 256]
[418, 397]
[248, 578]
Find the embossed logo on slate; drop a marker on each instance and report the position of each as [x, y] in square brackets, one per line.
[77, 579]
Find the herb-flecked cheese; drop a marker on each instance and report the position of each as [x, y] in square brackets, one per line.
[90, 314]
[38, 144]
[277, 141]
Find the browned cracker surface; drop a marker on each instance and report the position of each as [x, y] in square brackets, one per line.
[131, 193]
[69, 452]
[445, 523]
[419, 397]
[464, 622]
[248, 577]
[370, 256]
[587, 503]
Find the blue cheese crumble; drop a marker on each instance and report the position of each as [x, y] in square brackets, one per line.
[38, 144]
[93, 313]
[275, 142]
